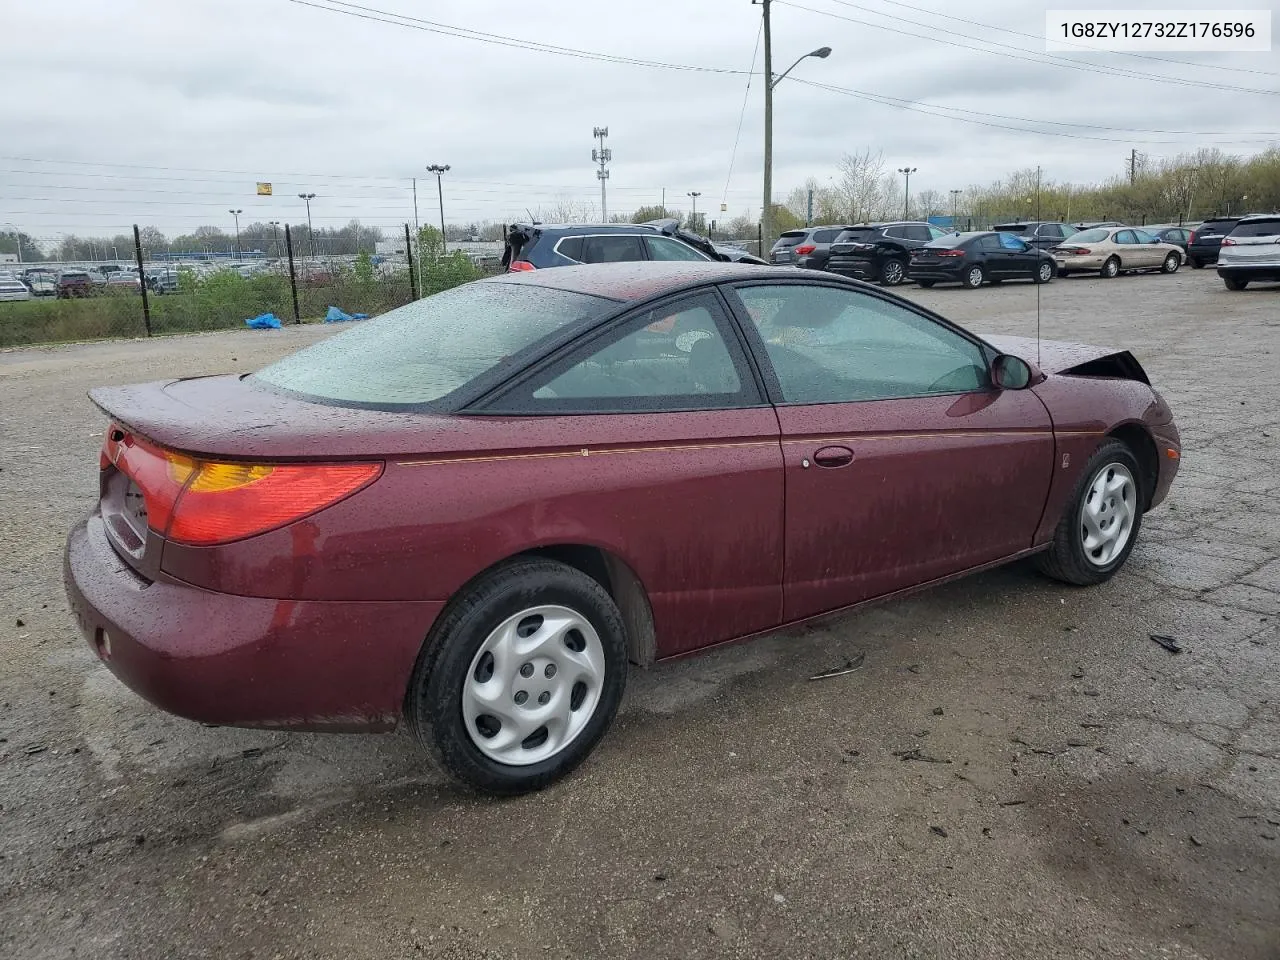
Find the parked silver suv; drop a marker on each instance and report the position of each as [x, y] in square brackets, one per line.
[1251, 251]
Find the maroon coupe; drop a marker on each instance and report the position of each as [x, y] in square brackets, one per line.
[475, 510]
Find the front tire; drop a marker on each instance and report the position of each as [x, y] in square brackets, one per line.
[520, 677]
[1110, 269]
[973, 277]
[1234, 283]
[1044, 272]
[1100, 524]
[893, 272]
[1171, 263]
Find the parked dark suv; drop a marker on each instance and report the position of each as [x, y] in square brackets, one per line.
[1039, 233]
[808, 247]
[539, 246]
[879, 251]
[1206, 239]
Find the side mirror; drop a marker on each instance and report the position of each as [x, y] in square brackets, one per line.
[1010, 373]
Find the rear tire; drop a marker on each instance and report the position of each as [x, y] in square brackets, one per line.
[1110, 269]
[1088, 550]
[1171, 263]
[973, 277]
[926, 284]
[893, 272]
[1235, 284]
[530, 614]
[1195, 264]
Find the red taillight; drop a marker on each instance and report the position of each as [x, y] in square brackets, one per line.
[205, 502]
[1075, 251]
[951, 253]
[1228, 242]
[805, 248]
[1192, 238]
[519, 266]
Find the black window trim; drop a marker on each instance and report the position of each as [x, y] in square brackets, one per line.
[769, 377]
[586, 342]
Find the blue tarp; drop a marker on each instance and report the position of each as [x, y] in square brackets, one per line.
[264, 321]
[337, 316]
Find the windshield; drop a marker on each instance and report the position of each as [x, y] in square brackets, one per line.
[1089, 236]
[420, 352]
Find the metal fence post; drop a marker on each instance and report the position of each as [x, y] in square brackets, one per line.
[408, 255]
[293, 277]
[142, 280]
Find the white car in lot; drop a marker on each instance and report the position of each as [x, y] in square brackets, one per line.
[1251, 251]
[11, 288]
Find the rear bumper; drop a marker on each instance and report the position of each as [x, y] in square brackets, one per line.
[1203, 254]
[1079, 263]
[1249, 271]
[244, 661]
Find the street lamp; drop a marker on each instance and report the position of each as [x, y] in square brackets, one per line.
[311, 236]
[236, 214]
[955, 208]
[906, 198]
[693, 217]
[766, 215]
[439, 170]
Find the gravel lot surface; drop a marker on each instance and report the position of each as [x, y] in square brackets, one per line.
[1077, 791]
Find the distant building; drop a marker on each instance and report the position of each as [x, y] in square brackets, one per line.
[8, 258]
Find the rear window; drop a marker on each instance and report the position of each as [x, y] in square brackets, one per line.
[1011, 228]
[1089, 236]
[1212, 227]
[790, 238]
[429, 348]
[1258, 228]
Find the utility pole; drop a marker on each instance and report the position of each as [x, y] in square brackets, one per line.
[275, 237]
[766, 211]
[955, 207]
[236, 214]
[808, 215]
[440, 170]
[416, 227]
[311, 236]
[906, 196]
[693, 217]
[664, 202]
[602, 156]
[1133, 166]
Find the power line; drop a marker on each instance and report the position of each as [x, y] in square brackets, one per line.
[930, 110]
[733, 155]
[464, 33]
[1082, 46]
[1022, 52]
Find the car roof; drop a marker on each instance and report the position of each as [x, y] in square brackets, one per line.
[1255, 217]
[571, 228]
[640, 280]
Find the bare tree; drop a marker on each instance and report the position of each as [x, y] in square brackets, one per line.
[566, 210]
[860, 186]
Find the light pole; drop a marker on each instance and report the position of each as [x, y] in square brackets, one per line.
[766, 213]
[955, 208]
[906, 197]
[693, 217]
[311, 237]
[275, 237]
[236, 214]
[602, 156]
[439, 170]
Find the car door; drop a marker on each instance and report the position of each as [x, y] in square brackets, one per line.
[680, 473]
[1017, 257]
[902, 463]
[1153, 251]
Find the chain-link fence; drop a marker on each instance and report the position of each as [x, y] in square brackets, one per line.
[86, 300]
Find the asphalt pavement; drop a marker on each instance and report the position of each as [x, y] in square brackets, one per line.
[1017, 770]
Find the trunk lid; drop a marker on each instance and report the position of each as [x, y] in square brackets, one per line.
[227, 417]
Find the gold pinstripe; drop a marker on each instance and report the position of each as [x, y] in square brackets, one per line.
[718, 445]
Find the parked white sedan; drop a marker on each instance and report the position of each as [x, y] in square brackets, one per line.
[11, 288]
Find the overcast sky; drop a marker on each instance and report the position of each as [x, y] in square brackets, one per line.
[166, 113]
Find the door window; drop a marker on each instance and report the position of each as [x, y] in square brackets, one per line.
[935, 233]
[1009, 242]
[1144, 237]
[897, 233]
[828, 345]
[824, 236]
[1126, 236]
[992, 241]
[918, 231]
[664, 248]
[611, 249]
[673, 357]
